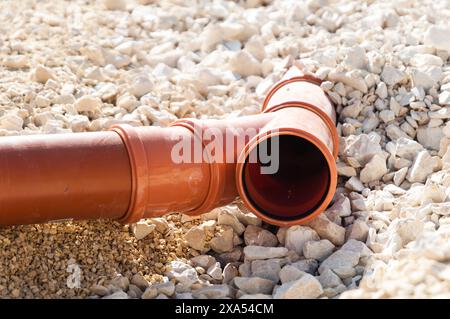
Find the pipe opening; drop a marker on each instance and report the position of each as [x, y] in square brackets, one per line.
[297, 188]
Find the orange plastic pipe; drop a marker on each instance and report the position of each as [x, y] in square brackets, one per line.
[308, 146]
[129, 173]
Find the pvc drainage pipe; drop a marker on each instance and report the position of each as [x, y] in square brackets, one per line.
[130, 173]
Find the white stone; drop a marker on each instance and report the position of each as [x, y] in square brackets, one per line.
[115, 4]
[423, 165]
[128, 102]
[376, 62]
[94, 54]
[226, 217]
[357, 247]
[430, 137]
[328, 279]
[281, 235]
[204, 261]
[394, 132]
[42, 74]
[223, 242]
[446, 129]
[121, 282]
[245, 64]
[290, 273]
[117, 295]
[268, 269]
[42, 101]
[99, 290]
[341, 207]
[381, 90]
[400, 176]
[307, 287]
[374, 170]
[446, 159]
[422, 79]
[297, 236]
[407, 228]
[183, 273]
[306, 265]
[370, 123]
[11, 122]
[134, 292]
[354, 184]
[150, 293]
[407, 148]
[230, 271]
[352, 79]
[387, 116]
[355, 58]
[319, 250]
[118, 60]
[444, 98]
[358, 230]
[394, 106]
[438, 37]
[424, 60]
[213, 292]
[142, 229]
[184, 295]
[327, 229]
[345, 170]
[254, 285]
[392, 76]
[257, 236]
[255, 46]
[139, 281]
[157, 118]
[196, 238]
[140, 86]
[16, 61]
[88, 104]
[441, 114]
[352, 110]
[215, 271]
[210, 37]
[260, 252]
[362, 147]
[341, 262]
[241, 31]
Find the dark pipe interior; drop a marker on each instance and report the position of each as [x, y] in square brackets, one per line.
[298, 187]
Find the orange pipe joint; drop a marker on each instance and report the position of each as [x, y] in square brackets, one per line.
[281, 162]
[295, 133]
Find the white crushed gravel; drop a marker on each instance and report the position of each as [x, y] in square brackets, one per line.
[72, 66]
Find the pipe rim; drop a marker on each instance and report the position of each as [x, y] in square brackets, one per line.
[328, 121]
[240, 184]
[304, 78]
